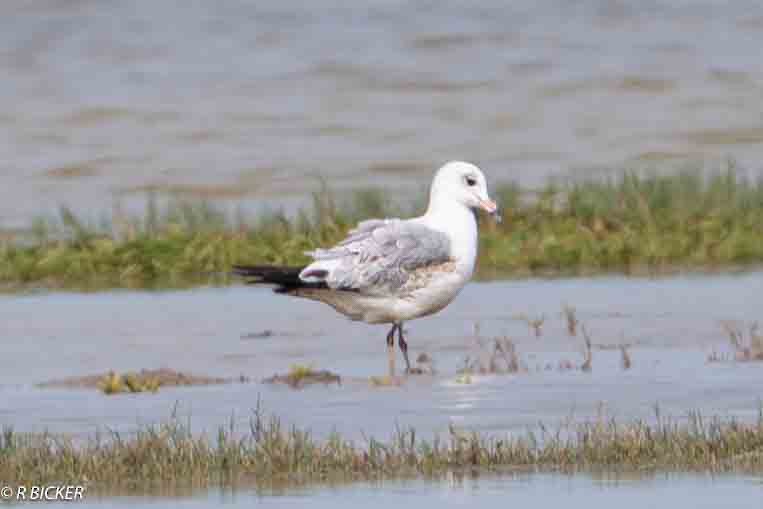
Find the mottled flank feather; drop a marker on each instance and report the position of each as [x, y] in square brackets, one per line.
[423, 276]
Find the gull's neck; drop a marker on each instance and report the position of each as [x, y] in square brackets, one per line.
[459, 223]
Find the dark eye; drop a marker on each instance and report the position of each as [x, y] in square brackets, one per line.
[471, 181]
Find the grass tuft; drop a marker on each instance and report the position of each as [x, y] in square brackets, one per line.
[625, 358]
[587, 365]
[131, 382]
[491, 357]
[745, 349]
[535, 324]
[300, 376]
[570, 316]
[112, 384]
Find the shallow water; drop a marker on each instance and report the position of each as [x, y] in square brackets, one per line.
[522, 490]
[671, 325]
[242, 101]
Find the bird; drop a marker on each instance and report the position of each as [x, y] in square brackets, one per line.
[391, 271]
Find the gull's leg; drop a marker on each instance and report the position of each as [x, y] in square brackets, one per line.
[403, 347]
[391, 349]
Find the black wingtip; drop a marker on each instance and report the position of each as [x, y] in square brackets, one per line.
[285, 278]
[272, 273]
[248, 271]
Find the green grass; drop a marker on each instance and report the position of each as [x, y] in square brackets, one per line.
[131, 382]
[300, 376]
[273, 453]
[629, 224]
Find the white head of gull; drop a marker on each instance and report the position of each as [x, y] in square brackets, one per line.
[395, 270]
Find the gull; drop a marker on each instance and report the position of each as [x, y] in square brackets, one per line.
[390, 271]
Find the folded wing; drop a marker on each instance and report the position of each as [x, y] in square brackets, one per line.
[378, 257]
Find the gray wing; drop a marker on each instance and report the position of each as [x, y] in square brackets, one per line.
[380, 255]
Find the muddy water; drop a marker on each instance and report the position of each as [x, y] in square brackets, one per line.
[671, 325]
[252, 101]
[522, 490]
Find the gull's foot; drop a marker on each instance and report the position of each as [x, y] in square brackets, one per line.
[386, 381]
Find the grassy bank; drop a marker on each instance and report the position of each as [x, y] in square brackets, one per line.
[653, 224]
[272, 453]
